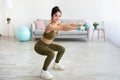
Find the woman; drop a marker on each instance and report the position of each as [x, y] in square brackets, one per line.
[45, 45]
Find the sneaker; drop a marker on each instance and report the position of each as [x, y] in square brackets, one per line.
[57, 66]
[45, 75]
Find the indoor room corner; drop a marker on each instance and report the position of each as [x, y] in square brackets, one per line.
[91, 52]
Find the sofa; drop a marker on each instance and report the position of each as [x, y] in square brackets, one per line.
[73, 34]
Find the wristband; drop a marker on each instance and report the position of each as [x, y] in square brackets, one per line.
[79, 28]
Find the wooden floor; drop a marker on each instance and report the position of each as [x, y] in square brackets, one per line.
[97, 60]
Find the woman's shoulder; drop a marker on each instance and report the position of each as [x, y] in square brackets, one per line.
[54, 26]
[49, 25]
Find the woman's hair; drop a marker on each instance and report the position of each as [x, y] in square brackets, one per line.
[55, 9]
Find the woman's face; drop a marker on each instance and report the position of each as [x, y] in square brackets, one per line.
[56, 17]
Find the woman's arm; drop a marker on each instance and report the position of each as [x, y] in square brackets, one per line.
[74, 25]
[63, 27]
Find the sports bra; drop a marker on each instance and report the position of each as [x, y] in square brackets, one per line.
[51, 35]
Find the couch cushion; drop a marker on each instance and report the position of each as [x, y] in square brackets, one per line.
[39, 25]
[46, 21]
[73, 32]
[38, 32]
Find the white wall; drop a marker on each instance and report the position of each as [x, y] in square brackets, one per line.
[82, 9]
[26, 11]
[112, 20]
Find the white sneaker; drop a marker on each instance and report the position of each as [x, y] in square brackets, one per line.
[57, 66]
[45, 75]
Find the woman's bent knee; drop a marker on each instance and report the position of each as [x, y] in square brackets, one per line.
[51, 54]
[62, 49]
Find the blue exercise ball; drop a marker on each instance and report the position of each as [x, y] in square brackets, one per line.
[23, 33]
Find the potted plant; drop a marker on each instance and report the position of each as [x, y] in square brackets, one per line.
[8, 20]
[95, 24]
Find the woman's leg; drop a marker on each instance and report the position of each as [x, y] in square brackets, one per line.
[60, 50]
[43, 49]
[47, 52]
[50, 55]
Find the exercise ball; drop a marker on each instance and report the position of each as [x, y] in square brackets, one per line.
[23, 33]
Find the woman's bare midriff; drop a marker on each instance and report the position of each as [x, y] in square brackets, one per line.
[47, 41]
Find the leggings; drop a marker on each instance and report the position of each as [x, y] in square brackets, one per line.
[48, 50]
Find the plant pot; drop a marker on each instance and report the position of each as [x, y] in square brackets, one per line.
[8, 22]
[95, 27]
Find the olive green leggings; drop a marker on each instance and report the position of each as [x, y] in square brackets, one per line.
[48, 50]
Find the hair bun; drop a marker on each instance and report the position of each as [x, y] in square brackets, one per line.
[55, 9]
